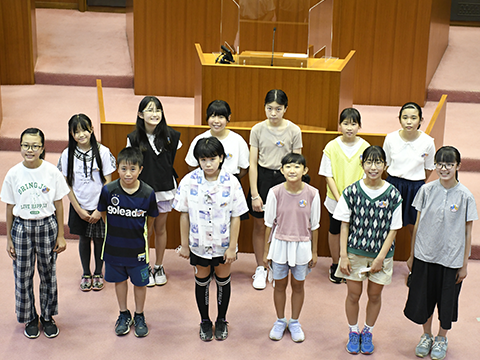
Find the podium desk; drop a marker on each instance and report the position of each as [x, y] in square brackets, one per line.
[317, 89]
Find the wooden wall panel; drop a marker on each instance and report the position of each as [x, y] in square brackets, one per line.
[17, 42]
[58, 4]
[164, 33]
[399, 44]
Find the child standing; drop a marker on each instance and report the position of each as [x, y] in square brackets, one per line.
[441, 244]
[33, 191]
[211, 202]
[370, 212]
[270, 141]
[410, 155]
[340, 167]
[292, 216]
[158, 143]
[87, 166]
[236, 149]
[128, 208]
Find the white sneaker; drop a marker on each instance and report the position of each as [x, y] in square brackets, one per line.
[160, 277]
[260, 278]
[151, 279]
[278, 330]
[296, 331]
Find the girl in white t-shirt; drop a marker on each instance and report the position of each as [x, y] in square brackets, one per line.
[87, 166]
[236, 148]
[292, 219]
[270, 141]
[33, 191]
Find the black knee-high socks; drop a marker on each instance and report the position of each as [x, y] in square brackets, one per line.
[202, 296]
[85, 250]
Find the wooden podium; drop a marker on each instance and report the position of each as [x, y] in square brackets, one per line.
[317, 89]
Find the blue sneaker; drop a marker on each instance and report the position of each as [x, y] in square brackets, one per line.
[439, 348]
[366, 342]
[353, 345]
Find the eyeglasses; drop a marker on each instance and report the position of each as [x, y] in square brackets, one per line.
[447, 166]
[152, 111]
[369, 163]
[27, 147]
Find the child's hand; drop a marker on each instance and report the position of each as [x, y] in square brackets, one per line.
[345, 266]
[61, 245]
[183, 252]
[257, 205]
[230, 256]
[312, 263]
[376, 266]
[96, 215]
[266, 262]
[461, 274]
[11, 249]
[84, 215]
[410, 263]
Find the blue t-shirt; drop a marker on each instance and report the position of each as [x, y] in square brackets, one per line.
[126, 236]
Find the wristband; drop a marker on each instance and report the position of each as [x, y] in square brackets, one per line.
[255, 198]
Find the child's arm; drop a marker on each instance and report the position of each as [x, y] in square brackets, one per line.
[412, 245]
[184, 234]
[462, 272]
[266, 248]
[333, 187]
[257, 204]
[377, 264]
[427, 174]
[84, 215]
[10, 247]
[231, 253]
[313, 262]
[297, 151]
[96, 215]
[345, 266]
[61, 244]
[242, 173]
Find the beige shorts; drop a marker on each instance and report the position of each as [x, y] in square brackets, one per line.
[357, 262]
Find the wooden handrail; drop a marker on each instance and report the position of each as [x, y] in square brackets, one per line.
[101, 104]
[439, 110]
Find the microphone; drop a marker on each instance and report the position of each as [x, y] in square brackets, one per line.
[273, 44]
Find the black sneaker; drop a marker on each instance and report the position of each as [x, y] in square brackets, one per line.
[331, 275]
[206, 332]
[50, 329]
[141, 328]
[31, 329]
[221, 329]
[124, 321]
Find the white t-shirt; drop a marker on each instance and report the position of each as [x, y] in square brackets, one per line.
[343, 212]
[236, 150]
[409, 159]
[87, 183]
[33, 191]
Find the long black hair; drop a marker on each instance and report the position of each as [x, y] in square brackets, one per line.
[82, 121]
[163, 140]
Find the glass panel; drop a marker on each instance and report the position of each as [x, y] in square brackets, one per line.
[320, 27]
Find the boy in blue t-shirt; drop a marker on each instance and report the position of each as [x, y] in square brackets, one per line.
[128, 207]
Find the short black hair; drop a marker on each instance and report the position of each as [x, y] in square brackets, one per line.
[218, 108]
[351, 114]
[209, 147]
[374, 153]
[130, 155]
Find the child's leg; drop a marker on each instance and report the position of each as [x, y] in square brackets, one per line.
[160, 226]
[298, 295]
[351, 303]
[334, 245]
[222, 278]
[140, 293]
[97, 252]
[44, 242]
[85, 251]
[121, 290]
[23, 269]
[202, 285]
[280, 296]
[374, 304]
[258, 239]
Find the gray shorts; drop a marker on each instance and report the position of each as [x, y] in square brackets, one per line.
[299, 272]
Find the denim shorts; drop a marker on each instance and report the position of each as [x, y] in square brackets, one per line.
[280, 271]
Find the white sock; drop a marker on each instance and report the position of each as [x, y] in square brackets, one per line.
[284, 319]
[156, 267]
[354, 328]
[368, 328]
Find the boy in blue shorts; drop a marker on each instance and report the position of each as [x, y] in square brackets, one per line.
[128, 207]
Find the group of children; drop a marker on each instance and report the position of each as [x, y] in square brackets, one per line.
[365, 213]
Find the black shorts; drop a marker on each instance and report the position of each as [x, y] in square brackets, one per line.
[432, 284]
[197, 260]
[334, 225]
[266, 179]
